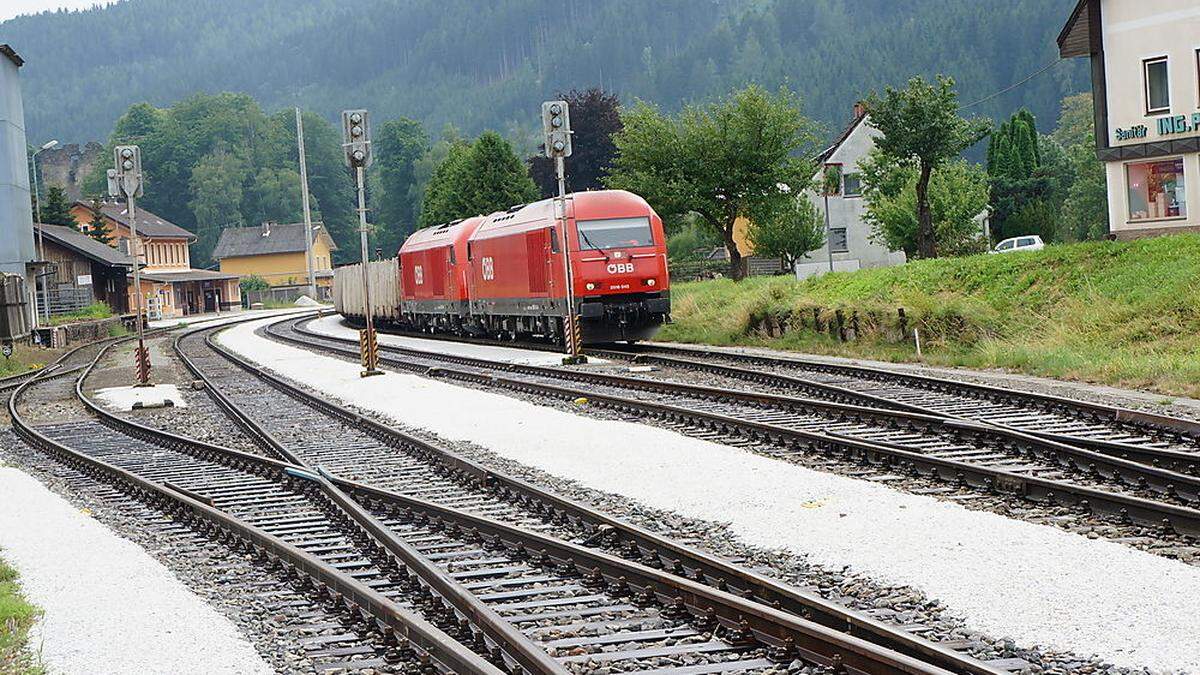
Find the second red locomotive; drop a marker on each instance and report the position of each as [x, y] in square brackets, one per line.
[504, 275]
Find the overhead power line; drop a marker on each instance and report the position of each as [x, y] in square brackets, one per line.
[1010, 87]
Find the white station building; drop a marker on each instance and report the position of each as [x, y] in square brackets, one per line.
[1146, 93]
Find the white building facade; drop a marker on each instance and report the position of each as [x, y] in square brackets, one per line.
[1145, 58]
[848, 245]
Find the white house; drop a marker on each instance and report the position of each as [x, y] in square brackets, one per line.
[1145, 57]
[848, 244]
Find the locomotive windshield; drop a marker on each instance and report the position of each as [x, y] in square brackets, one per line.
[615, 233]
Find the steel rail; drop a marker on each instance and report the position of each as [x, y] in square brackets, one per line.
[1136, 465]
[516, 646]
[1125, 507]
[398, 625]
[684, 560]
[789, 635]
[1117, 414]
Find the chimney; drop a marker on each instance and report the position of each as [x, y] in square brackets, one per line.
[860, 109]
[266, 228]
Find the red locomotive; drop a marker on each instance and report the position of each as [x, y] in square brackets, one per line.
[504, 275]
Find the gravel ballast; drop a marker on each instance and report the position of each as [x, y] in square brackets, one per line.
[1036, 584]
[109, 607]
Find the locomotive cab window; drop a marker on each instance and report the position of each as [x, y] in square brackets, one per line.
[615, 233]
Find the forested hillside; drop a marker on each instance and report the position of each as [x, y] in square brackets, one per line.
[487, 64]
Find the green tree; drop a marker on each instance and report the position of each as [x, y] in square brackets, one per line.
[958, 192]
[595, 119]
[476, 179]
[1084, 211]
[443, 200]
[921, 125]
[791, 234]
[1021, 188]
[399, 145]
[56, 208]
[736, 157]
[97, 228]
[253, 282]
[216, 190]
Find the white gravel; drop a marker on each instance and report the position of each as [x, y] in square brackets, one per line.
[109, 607]
[1036, 584]
[332, 326]
[123, 398]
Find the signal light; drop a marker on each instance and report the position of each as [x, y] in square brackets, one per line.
[556, 125]
[356, 137]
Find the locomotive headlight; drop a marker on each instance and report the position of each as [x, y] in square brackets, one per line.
[650, 282]
[590, 286]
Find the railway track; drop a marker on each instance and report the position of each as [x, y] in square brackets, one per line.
[493, 596]
[964, 452]
[378, 457]
[1110, 429]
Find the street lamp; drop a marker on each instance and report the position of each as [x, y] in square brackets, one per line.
[37, 207]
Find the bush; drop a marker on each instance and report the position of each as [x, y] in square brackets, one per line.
[253, 283]
[94, 311]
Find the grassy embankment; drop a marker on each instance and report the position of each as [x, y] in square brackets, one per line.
[16, 616]
[1120, 313]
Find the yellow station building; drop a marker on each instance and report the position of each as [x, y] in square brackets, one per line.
[275, 252]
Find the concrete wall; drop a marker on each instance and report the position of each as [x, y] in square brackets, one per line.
[16, 221]
[847, 212]
[1133, 32]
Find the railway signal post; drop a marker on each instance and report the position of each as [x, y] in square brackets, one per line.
[356, 142]
[556, 124]
[125, 180]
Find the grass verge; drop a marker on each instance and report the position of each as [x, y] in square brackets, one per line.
[16, 617]
[1118, 313]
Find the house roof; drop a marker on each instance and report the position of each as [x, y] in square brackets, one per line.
[70, 238]
[149, 224]
[828, 152]
[189, 275]
[261, 240]
[12, 55]
[1076, 39]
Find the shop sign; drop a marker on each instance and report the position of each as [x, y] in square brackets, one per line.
[1131, 133]
[1178, 124]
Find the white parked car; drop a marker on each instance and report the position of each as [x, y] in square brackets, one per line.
[1029, 242]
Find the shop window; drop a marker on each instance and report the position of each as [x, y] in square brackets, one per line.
[837, 240]
[1158, 90]
[851, 185]
[1156, 189]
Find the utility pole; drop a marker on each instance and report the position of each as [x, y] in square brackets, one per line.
[41, 252]
[126, 180]
[828, 232]
[356, 141]
[556, 124]
[308, 230]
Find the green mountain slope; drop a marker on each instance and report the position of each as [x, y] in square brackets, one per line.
[486, 64]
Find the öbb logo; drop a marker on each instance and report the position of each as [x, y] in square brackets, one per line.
[620, 268]
[418, 275]
[488, 268]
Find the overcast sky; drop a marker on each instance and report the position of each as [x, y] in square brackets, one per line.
[11, 8]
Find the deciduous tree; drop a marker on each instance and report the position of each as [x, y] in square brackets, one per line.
[921, 126]
[477, 179]
[795, 230]
[736, 157]
[399, 145]
[957, 193]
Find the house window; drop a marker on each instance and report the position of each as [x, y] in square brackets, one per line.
[837, 240]
[851, 185]
[832, 180]
[1158, 90]
[1156, 189]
